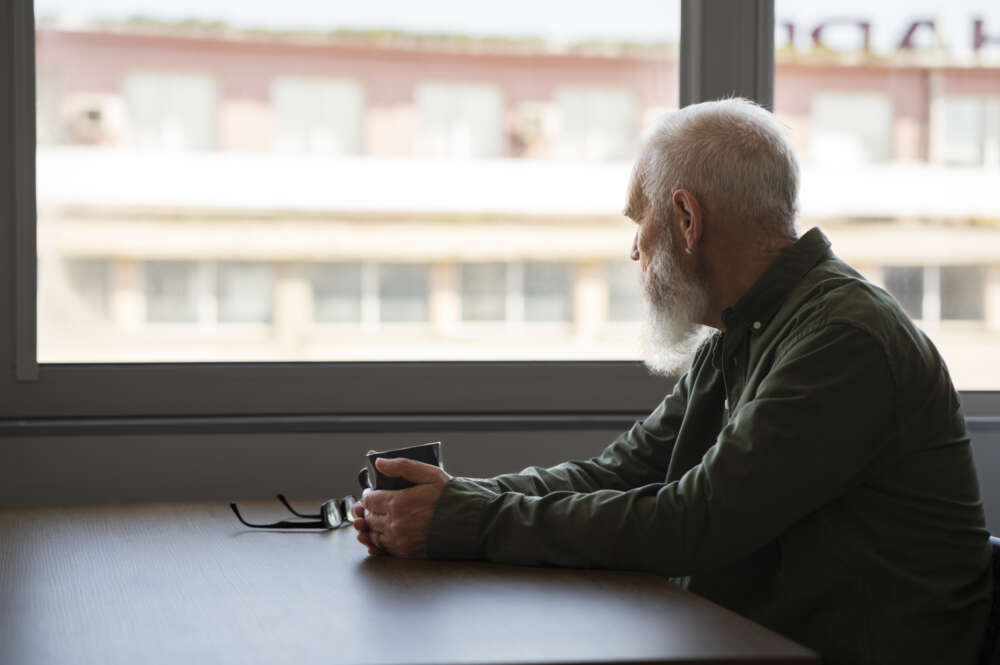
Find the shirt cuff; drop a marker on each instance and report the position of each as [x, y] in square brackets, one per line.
[454, 532]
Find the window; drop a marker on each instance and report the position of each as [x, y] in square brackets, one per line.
[906, 284]
[326, 148]
[403, 293]
[886, 111]
[318, 115]
[171, 289]
[851, 128]
[933, 294]
[597, 123]
[244, 292]
[548, 292]
[962, 293]
[169, 112]
[336, 292]
[483, 291]
[623, 291]
[516, 208]
[90, 281]
[971, 133]
[462, 121]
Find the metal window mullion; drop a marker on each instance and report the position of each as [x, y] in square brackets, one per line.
[22, 100]
[727, 49]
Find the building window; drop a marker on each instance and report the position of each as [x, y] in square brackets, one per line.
[962, 293]
[906, 284]
[171, 111]
[244, 292]
[483, 291]
[624, 302]
[336, 289]
[171, 291]
[548, 291]
[970, 131]
[403, 292]
[318, 115]
[90, 282]
[460, 121]
[939, 293]
[851, 128]
[596, 123]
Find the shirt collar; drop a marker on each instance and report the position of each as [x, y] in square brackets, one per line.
[755, 308]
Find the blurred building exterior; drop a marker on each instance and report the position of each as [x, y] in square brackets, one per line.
[212, 194]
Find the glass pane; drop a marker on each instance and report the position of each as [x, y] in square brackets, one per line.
[906, 284]
[257, 171]
[170, 291]
[244, 293]
[90, 281]
[597, 123]
[484, 291]
[336, 292]
[851, 128]
[459, 120]
[962, 292]
[964, 131]
[547, 294]
[623, 291]
[318, 115]
[402, 293]
[165, 111]
[894, 110]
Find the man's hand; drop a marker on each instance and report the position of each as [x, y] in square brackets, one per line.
[396, 521]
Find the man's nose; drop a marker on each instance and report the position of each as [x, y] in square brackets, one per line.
[635, 247]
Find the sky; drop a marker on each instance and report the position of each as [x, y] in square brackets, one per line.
[555, 20]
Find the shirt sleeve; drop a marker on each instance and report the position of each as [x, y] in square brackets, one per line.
[636, 457]
[816, 423]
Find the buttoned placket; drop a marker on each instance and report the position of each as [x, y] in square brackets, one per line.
[732, 342]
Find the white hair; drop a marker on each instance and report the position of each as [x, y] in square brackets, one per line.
[732, 155]
[673, 302]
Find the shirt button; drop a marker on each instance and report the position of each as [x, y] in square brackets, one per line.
[756, 325]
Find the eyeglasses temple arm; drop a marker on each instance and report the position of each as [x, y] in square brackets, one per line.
[282, 499]
[278, 525]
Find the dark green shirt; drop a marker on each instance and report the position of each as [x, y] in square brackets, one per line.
[811, 471]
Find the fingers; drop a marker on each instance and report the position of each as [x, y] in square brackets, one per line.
[377, 501]
[366, 540]
[377, 522]
[412, 470]
[361, 524]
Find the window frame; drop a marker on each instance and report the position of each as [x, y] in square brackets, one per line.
[726, 47]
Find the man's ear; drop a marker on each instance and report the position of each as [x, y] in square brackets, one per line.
[689, 217]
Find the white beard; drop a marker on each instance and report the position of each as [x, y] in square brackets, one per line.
[672, 303]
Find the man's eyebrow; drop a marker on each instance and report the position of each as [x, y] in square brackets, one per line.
[632, 208]
[634, 202]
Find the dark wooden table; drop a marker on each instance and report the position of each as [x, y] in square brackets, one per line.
[186, 583]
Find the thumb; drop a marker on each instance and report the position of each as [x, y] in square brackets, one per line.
[412, 470]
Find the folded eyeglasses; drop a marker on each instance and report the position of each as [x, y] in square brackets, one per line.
[333, 514]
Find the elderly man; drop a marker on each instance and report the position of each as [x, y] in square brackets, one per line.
[811, 469]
